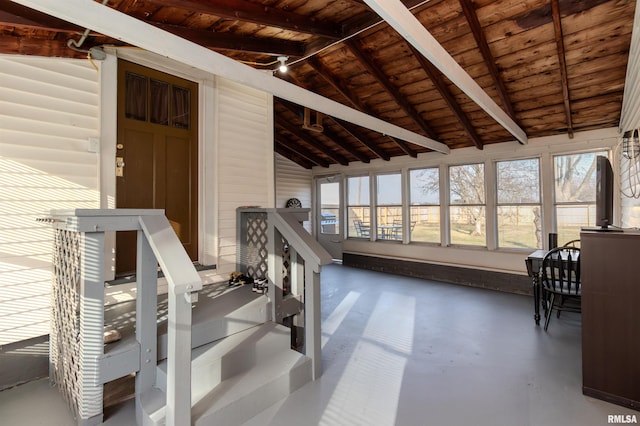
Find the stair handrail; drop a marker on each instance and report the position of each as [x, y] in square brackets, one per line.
[287, 224]
[157, 243]
[308, 247]
[183, 280]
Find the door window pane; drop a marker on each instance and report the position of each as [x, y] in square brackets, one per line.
[330, 208]
[159, 102]
[181, 107]
[135, 96]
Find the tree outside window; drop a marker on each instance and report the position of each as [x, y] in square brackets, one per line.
[519, 209]
[575, 193]
[425, 205]
[467, 212]
[358, 207]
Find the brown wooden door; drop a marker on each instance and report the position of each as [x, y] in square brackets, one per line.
[157, 142]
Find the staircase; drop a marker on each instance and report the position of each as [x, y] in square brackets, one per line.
[221, 356]
[241, 362]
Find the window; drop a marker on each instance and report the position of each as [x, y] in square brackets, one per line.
[158, 101]
[389, 206]
[575, 193]
[467, 205]
[425, 205]
[358, 207]
[519, 210]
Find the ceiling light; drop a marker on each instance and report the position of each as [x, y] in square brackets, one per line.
[283, 65]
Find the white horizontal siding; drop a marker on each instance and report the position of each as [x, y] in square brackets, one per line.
[244, 158]
[292, 181]
[49, 108]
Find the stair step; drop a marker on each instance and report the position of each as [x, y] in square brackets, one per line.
[221, 312]
[237, 377]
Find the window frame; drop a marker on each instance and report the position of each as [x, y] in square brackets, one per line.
[484, 205]
[590, 205]
[365, 207]
[411, 205]
[498, 204]
[380, 235]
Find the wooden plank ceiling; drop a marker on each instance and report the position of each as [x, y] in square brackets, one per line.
[554, 66]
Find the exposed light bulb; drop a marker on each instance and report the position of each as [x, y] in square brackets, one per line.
[283, 65]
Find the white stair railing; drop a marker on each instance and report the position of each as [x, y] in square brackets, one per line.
[258, 255]
[78, 363]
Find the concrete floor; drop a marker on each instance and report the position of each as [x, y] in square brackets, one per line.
[404, 351]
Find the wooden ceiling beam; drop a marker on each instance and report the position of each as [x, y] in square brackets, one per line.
[562, 62]
[327, 133]
[14, 14]
[357, 25]
[227, 41]
[436, 78]
[354, 132]
[301, 151]
[401, 100]
[298, 111]
[338, 84]
[342, 88]
[339, 141]
[119, 25]
[243, 10]
[13, 45]
[23, 17]
[481, 41]
[293, 156]
[310, 140]
[412, 30]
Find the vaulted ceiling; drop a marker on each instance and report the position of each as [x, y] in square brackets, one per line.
[550, 66]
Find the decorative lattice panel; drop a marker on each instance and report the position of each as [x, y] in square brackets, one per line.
[64, 343]
[286, 267]
[256, 253]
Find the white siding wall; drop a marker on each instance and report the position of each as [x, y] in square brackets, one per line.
[244, 159]
[48, 112]
[293, 181]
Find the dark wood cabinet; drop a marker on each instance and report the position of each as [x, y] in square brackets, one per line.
[610, 266]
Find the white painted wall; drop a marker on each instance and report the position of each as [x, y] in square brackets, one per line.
[49, 108]
[490, 258]
[293, 181]
[244, 159]
[48, 111]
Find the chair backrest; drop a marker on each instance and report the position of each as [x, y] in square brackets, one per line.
[361, 229]
[561, 271]
[572, 243]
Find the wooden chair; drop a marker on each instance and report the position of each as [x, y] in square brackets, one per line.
[572, 243]
[560, 280]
